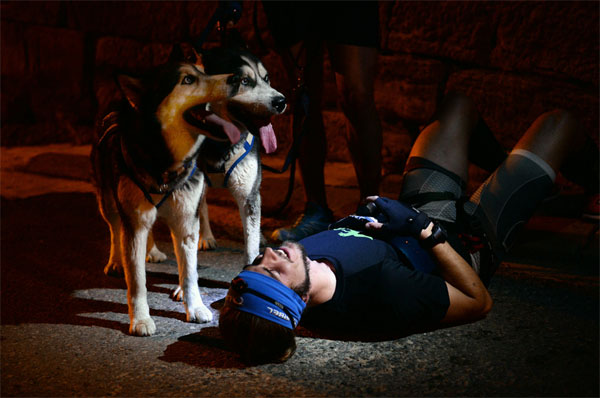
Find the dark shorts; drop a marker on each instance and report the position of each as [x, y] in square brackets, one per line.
[501, 205]
[351, 23]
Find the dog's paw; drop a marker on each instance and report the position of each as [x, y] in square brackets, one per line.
[177, 294]
[199, 314]
[142, 327]
[114, 269]
[155, 255]
[207, 244]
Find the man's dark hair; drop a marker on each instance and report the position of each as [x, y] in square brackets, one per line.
[257, 340]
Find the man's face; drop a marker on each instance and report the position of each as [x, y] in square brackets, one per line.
[287, 264]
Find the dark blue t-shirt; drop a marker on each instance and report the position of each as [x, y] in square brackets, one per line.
[373, 285]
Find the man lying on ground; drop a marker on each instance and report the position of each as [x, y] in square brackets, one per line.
[425, 261]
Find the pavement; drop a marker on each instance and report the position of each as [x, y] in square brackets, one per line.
[64, 324]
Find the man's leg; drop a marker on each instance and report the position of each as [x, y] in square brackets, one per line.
[437, 167]
[510, 196]
[559, 139]
[554, 136]
[355, 70]
[445, 141]
[463, 122]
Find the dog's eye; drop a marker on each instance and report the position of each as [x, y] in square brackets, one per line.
[245, 81]
[188, 79]
[266, 79]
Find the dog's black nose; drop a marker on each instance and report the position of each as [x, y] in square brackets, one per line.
[279, 103]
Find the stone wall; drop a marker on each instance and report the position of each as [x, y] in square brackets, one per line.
[516, 59]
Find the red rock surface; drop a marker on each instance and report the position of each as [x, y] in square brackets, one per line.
[517, 59]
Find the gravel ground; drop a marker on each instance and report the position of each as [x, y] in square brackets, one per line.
[64, 324]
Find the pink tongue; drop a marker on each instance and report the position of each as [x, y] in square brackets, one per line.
[267, 136]
[229, 128]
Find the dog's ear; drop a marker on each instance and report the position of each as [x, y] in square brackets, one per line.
[132, 89]
[186, 52]
[198, 62]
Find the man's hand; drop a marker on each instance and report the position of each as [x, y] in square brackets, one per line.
[399, 218]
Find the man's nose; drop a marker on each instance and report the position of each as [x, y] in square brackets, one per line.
[270, 253]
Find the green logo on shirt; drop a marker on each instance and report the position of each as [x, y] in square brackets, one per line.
[345, 232]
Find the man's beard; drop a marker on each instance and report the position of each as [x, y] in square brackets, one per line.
[303, 288]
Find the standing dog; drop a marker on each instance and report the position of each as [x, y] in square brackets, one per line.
[145, 166]
[231, 157]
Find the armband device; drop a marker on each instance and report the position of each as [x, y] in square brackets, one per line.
[438, 235]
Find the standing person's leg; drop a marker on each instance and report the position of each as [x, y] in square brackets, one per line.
[355, 70]
[313, 146]
[297, 29]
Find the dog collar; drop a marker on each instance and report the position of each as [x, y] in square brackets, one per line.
[171, 179]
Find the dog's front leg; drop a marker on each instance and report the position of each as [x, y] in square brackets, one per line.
[252, 231]
[250, 214]
[247, 196]
[133, 246]
[185, 242]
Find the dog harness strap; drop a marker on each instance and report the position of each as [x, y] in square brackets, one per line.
[165, 196]
[145, 191]
[141, 187]
[170, 191]
[248, 144]
[131, 174]
[109, 120]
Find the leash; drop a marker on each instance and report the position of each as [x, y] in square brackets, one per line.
[226, 11]
[298, 130]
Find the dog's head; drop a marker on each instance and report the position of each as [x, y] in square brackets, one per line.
[176, 95]
[254, 101]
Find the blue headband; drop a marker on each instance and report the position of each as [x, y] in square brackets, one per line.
[268, 298]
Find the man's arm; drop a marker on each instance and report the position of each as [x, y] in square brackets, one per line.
[469, 298]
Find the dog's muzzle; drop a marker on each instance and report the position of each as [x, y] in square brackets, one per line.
[279, 103]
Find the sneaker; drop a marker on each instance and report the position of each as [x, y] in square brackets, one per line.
[315, 219]
[592, 207]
